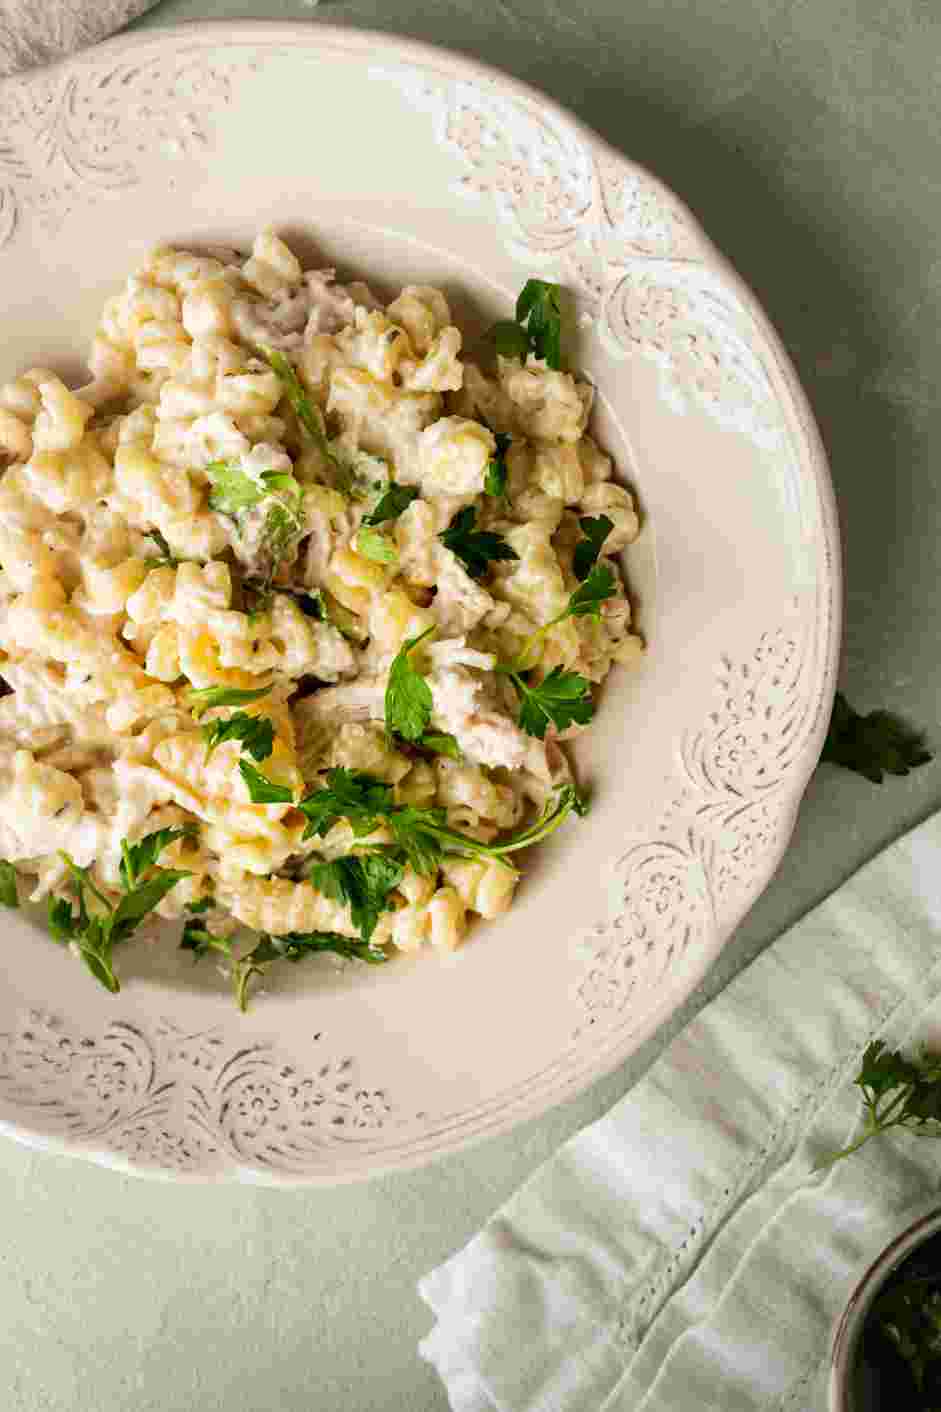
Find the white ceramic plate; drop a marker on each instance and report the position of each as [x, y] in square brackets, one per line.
[403, 163]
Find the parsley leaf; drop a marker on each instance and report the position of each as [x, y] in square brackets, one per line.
[262, 790]
[308, 415]
[585, 602]
[200, 940]
[255, 732]
[408, 698]
[166, 557]
[875, 745]
[364, 882]
[136, 858]
[562, 698]
[202, 904]
[495, 481]
[440, 743]
[587, 599]
[393, 501]
[349, 794]
[423, 835]
[8, 895]
[206, 697]
[587, 550]
[897, 1093]
[415, 832]
[135, 904]
[94, 935]
[474, 548]
[234, 490]
[511, 341]
[293, 946]
[372, 544]
[301, 404]
[539, 312]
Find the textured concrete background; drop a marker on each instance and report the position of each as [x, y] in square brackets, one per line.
[806, 135]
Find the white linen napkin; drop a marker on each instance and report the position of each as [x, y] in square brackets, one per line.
[683, 1253]
[37, 31]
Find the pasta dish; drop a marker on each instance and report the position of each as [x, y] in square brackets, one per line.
[297, 608]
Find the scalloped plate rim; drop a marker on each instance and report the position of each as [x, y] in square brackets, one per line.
[599, 1062]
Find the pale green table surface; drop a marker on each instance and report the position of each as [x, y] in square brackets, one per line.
[805, 134]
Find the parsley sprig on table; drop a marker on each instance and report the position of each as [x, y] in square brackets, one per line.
[537, 328]
[876, 745]
[475, 548]
[897, 1093]
[98, 925]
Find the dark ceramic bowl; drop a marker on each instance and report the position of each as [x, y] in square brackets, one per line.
[854, 1383]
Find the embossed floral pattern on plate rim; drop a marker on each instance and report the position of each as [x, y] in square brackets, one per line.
[154, 1100]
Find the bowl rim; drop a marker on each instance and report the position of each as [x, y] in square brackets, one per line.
[851, 1321]
[604, 1059]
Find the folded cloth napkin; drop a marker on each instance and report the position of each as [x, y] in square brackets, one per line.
[37, 31]
[683, 1252]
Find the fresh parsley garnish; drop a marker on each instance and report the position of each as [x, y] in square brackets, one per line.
[510, 340]
[262, 790]
[537, 328]
[309, 417]
[587, 550]
[372, 544]
[587, 599]
[363, 882]
[284, 525]
[539, 312]
[8, 895]
[495, 480]
[204, 698]
[441, 743]
[876, 745]
[202, 904]
[301, 403]
[233, 490]
[94, 934]
[255, 732]
[394, 499]
[293, 946]
[200, 940]
[585, 602]
[348, 794]
[408, 698]
[421, 835]
[474, 548]
[136, 858]
[897, 1093]
[166, 556]
[561, 699]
